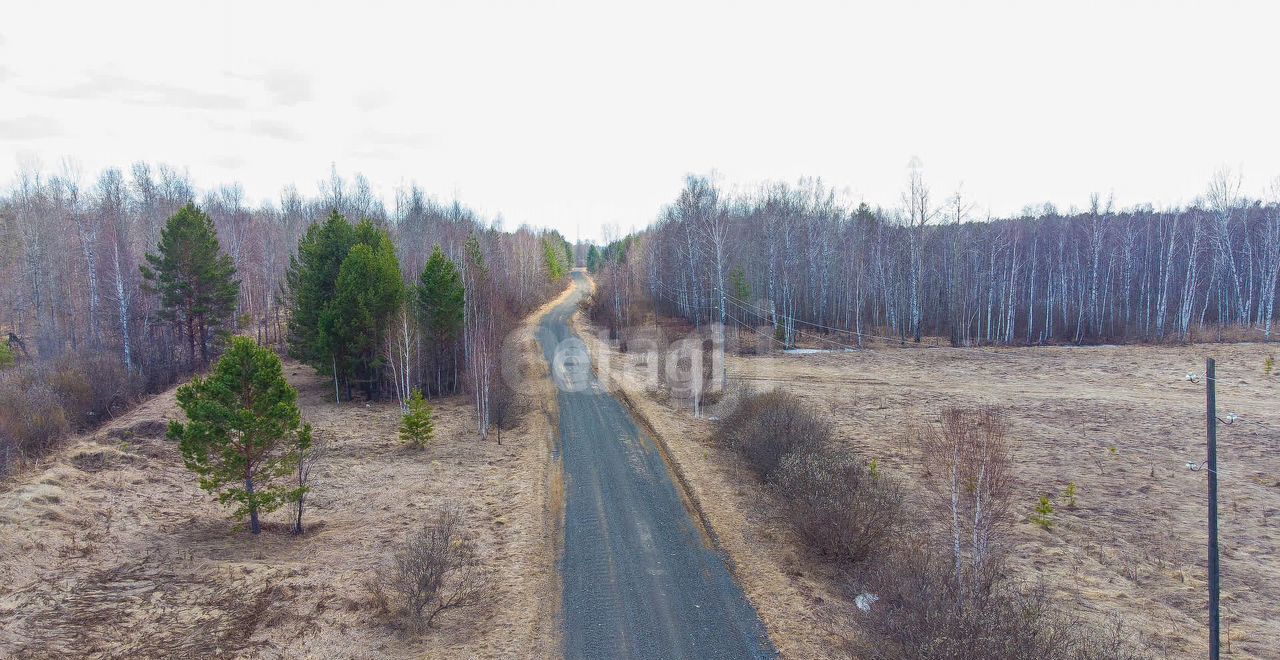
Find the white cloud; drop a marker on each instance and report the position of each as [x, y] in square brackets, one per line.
[101, 85]
[278, 130]
[29, 127]
[284, 86]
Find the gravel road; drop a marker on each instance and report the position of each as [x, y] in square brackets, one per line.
[640, 578]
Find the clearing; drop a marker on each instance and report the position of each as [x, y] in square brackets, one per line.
[1120, 422]
[110, 549]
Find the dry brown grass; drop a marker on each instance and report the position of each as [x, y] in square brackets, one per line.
[1134, 543]
[109, 548]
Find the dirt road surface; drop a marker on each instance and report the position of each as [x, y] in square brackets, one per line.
[641, 579]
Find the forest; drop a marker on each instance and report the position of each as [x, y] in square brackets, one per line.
[798, 258]
[119, 286]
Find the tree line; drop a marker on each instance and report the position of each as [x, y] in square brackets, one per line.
[142, 279]
[797, 258]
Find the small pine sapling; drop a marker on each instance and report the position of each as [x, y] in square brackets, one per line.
[1268, 365]
[874, 469]
[416, 427]
[1044, 513]
[1070, 495]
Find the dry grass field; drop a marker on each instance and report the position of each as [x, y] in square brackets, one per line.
[1119, 422]
[109, 549]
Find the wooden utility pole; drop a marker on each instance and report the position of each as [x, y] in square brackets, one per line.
[1211, 424]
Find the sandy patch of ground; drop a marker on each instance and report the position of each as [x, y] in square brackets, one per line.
[110, 549]
[1134, 544]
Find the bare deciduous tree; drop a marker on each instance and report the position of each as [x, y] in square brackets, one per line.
[968, 462]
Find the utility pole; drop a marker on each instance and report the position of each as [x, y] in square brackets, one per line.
[1211, 424]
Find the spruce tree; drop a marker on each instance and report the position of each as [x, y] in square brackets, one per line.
[416, 427]
[439, 307]
[244, 431]
[194, 278]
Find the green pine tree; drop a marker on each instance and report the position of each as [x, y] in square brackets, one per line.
[194, 278]
[556, 269]
[416, 427]
[311, 286]
[369, 291]
[244, 431]
[339, 334]
[7, 358]
[439, 308]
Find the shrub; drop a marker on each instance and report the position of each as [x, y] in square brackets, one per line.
[92, 387]
[504, 407]
[416, 427]
[31, 417]
[1268, 365]
[921, 613]
[766, 427]
[841, 508]
[435, 570]
[7, 358]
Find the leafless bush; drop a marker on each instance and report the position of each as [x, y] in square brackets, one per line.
[941, 589]
[92, 386]
[922, 613]
[307, 460]
[31, 416]
[504, 407]
[436, 570]
[841, 509]
[766, 427]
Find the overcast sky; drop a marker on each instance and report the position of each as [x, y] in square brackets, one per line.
[577, 114]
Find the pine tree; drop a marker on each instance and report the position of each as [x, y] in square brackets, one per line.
[416, 427]
[244, 431]
[554, 259]
[369, 291]
[194, 278]
[439, 308]
[312, 283]
[337, 329]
